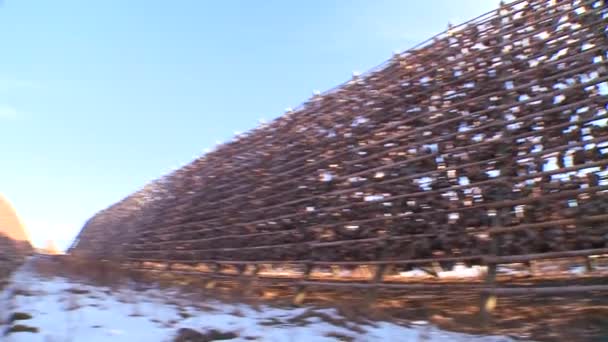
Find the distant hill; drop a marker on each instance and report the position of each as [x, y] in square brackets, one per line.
[10, 225]
[50, 248]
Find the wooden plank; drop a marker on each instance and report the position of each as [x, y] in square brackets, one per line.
[548, 290]
[540, 256]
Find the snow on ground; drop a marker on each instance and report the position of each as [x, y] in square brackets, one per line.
[459, 271]
[64, 310]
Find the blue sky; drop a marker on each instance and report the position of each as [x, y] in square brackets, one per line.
[99, 97]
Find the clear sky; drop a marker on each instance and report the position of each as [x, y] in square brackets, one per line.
[98, 97]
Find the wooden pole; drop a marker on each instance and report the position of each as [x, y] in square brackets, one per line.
[489, 300]
[372, 294]
[212, 282]
[589, 264]
[300, 295]
[379, 272]
[252, 279]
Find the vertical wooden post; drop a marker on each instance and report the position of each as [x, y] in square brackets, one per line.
[380, 270]
[242, 282]
[241, 270]
[300, 295]
[252, 279]
[301, 289]
[212, 282]
[372, 294]
[588, 264]
[251, 282]
[379, 274]
[488, 299]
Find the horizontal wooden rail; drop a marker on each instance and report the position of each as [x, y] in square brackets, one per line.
[557, 290]
[481, 259]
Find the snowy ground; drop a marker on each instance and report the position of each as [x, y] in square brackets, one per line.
[63, 310]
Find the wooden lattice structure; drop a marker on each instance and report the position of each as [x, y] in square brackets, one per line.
[486, 144]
